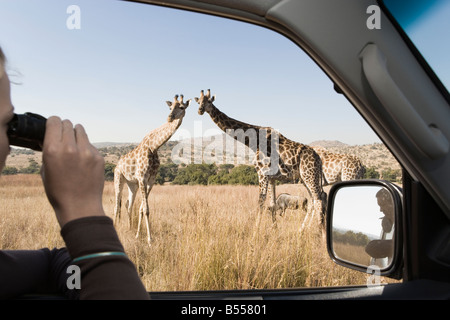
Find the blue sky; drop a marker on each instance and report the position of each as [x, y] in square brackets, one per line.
[115, 73]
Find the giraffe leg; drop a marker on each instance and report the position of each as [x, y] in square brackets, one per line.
[147, 212]
[143, 191]
[322, 221]
[141, 213]
[139, 221]
[147, 224]
[319, 205]
[144, 210]
[311, 174]
[309, 216]
[310, 208]
[304, 221]
[118, 184]
[272, 195]
[263, 186]
[132, 191]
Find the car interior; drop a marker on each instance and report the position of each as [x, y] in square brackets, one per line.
[384, 77]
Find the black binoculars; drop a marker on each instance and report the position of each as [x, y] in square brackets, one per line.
[27, 130]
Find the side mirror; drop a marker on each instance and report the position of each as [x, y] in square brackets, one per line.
[364, 226]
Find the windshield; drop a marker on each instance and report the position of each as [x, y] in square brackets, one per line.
[426, 22]
[115, 67]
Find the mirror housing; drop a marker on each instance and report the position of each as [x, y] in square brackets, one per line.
[364, 229]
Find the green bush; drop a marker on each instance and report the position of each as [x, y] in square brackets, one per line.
[166, 173]
[10, 170]
[372, 173]
[211, 174]
[392, 175]
[109, 171]
[195, 174]
[243, 174]
[33, 167]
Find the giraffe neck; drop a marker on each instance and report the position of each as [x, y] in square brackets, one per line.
[250, 135]
[156, 138]
[224, 122]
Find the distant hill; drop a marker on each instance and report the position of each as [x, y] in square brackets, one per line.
[328, 144]
[372, 155]
[99, 145]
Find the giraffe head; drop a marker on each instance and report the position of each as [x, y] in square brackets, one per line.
[205, 102]
[177, 108]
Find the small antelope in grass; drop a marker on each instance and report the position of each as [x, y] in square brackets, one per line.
[288, 201]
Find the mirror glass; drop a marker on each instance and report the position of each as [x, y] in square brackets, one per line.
[363, 225]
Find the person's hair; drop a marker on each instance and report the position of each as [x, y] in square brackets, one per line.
[2, 62]
[384, 197]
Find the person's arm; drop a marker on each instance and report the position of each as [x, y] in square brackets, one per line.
[106, 272]
[73, 176]
[34, 272]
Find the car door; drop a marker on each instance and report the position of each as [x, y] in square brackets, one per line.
[372, 62]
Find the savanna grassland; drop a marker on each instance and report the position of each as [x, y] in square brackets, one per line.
[203, 237]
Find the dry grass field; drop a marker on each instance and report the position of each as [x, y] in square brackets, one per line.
[203, 238]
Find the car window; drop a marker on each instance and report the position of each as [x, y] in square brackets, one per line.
[422, 20]
[115, 67]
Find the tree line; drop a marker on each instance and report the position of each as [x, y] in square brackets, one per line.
[392, 175]
[352, 238]
[203, 174]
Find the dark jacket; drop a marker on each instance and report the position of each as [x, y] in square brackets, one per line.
[44, 271]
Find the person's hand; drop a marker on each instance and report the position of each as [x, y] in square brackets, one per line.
[379, 249]
[72, 171]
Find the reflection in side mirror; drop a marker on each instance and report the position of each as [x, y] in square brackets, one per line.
[362, 224]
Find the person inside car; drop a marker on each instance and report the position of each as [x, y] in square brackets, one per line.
[73, 177]
[385, 247]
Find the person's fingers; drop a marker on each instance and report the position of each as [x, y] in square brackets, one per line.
[68, 134]
[81, 136]
[83, 141]
[53, 131]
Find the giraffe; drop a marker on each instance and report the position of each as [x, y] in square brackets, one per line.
[339, 167]
[139, 167]
[276, 158]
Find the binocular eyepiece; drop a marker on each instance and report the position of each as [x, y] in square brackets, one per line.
[27, 130]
